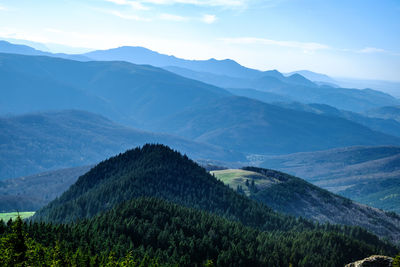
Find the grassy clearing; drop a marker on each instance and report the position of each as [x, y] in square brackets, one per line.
[7, 215]
[235, 177]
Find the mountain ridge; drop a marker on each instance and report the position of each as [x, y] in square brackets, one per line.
[50, 140]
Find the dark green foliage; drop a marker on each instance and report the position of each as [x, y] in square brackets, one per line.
[240, 190]
[13, 245]
[291, 189]
[149, 228]
[18, 248]
[396, 261]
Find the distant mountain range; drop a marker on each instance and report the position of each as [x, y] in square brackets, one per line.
[6, 47]
[369, 175]
[315, 77]
[318, 88]
[388, 112]
[382, 119]
[141, 55]
[296, 88]
[157, 100]
[230, 74]
[45, 141]
[122, 91]
[254, 127]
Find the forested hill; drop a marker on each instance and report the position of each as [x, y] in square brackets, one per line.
[154, 201]
[158, 171]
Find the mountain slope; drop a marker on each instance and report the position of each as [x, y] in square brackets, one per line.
[38, 142]
[294, 196]
[121, 91]
[389, 112]
[370, 175]
[313, 76]
[254, 127]
[30, 193]
[266, 97]
[10, 48]
[384, 125]
[296, 88]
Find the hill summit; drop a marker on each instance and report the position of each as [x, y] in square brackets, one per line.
[157, 171]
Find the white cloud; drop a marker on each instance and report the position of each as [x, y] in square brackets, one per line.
[141, 4]
[226, 3]
[305, 46]
[209, 18]
[3, 8]
[53, 30]
[134, 4]
[370, 50]
[172, 17]
[127, 16]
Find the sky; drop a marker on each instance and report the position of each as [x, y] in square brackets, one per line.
[348, 38]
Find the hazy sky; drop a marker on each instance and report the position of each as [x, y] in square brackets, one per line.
[353, 38]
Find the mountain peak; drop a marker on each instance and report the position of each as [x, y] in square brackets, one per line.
[7, 47]
[300, 79]
[313, 76]
[273, 73]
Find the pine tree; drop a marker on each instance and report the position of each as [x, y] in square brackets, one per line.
[396, 261]
[58, 259]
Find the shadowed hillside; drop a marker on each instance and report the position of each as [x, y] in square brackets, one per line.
[38, 142]
[251, 126]
[33, 192]
[370, 175]
[294, 196]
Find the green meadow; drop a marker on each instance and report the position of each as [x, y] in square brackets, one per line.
[235, 177]
[8, 215]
